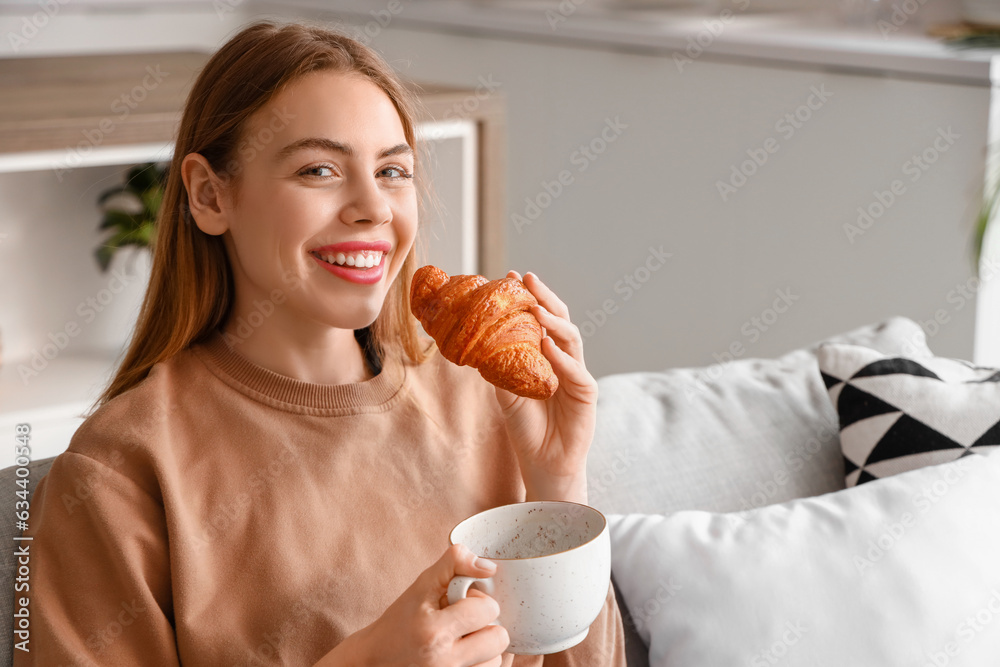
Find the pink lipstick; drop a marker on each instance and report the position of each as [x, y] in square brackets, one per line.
[361, 262]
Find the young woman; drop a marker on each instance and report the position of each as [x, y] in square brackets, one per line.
[271, 476]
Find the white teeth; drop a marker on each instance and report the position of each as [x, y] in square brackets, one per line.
[365, 259]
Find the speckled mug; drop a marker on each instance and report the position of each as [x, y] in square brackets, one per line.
[553, 570]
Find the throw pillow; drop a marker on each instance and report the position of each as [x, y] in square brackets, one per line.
[727, 437]
[901, 572]
[898, 413]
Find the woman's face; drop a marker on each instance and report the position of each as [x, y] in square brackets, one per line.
[326, 209]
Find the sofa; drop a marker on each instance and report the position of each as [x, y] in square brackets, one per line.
[743, 534]
[713, 446]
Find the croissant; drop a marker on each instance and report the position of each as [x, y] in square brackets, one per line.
[486, 325]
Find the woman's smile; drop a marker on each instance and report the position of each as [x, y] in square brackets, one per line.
[359, 262]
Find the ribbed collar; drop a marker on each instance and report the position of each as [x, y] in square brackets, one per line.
[295, 395]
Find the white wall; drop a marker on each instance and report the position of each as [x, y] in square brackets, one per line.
[102, 27]
[655, 185]
[55, 293]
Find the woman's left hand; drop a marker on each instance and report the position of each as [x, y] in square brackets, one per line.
[552, 437]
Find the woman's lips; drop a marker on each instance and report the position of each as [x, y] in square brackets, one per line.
[353, 246]
[363, 267]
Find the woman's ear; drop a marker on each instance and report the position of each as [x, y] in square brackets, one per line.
[207, 197]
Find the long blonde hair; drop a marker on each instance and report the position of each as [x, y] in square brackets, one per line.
[191, 289]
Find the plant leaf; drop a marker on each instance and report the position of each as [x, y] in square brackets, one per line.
[151, 201]
[103, 254]
[147, 182]
[121, 220]
[111, 192]
[986, 213]
[144, 235]
[143, 177]
[124, 237]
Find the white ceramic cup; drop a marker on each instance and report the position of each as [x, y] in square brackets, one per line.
[553, 570]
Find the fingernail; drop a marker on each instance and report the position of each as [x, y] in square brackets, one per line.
[486, 564]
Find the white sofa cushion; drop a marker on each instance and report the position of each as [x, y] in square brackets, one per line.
[728, 437]
[900, 572]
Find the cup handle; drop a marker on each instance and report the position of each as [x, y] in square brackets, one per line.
[458, 589]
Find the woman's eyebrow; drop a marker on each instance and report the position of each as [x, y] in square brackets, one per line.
[331, 145]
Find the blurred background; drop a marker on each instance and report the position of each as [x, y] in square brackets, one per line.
[699, 181]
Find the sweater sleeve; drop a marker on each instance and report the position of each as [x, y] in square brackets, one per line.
[604, 645]
[99, 583]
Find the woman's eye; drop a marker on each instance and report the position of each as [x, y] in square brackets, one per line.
[396, 173]
[320, 170]
[324, 171]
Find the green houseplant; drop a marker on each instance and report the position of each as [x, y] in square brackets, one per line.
[983, 218]
[130, 211]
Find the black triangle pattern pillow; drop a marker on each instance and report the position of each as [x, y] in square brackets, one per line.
[898, 414]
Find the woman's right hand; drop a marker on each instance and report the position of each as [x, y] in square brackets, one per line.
[420, 629]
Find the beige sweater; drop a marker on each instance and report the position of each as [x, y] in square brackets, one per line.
[221, 514]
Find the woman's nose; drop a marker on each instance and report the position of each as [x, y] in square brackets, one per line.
[366, 203]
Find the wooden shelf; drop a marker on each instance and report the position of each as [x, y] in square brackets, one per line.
[67, 103]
